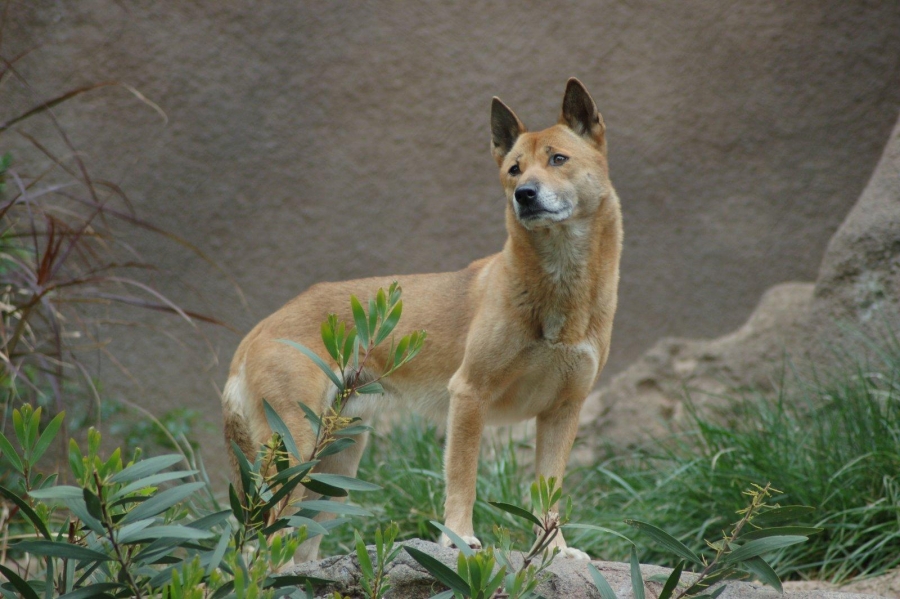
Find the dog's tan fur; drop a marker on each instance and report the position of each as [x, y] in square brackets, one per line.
[521, 334]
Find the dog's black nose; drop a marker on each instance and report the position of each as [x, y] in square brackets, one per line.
[526, 194]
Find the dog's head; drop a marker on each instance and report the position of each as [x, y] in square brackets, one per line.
[558, 174]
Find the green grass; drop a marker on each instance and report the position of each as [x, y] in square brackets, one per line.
[833, 445]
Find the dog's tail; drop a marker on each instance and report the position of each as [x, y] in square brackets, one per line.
[235, 399]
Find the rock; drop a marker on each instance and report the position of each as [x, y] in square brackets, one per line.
[855, 299]
[569, 578]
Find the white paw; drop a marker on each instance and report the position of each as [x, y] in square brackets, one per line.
[472, 542]
[572, 553]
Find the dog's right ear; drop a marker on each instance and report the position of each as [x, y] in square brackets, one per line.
[505, 130]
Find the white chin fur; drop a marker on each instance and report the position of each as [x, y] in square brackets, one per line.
[572, 553]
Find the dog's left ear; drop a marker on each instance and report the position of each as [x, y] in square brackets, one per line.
[579, 113]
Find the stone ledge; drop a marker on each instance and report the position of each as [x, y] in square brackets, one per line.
[569, 578]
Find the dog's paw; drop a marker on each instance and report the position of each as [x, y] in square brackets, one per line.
[472, 542]
[572, 553]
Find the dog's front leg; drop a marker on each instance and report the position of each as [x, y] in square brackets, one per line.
[556, 430]
[465, 422]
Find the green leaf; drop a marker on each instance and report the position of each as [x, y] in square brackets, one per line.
[145, 468]
[666, 540]
[93, 504]
[281, 581]
[637, 580]
[371, 389]
[313, 528]
[337, 446]
[58, 492]
[672, 581]
[349, 344]
[6, 449]
[316, 359]
[362, 554]
[345, 482]
[47, 437]
[332, 507]
[760, 546]
[762, 533]
[323, 489]
[597, 529]
[215, 558]
[359, 318]
[161, 502]
[315, 421]
[96, 589]
[277, 425]
[236, 508]
[788, 513]
[166, 532]
[151, 481]
[517, 511]
[20, 585]
[455, 538]
[354, 430]
[61, 550]
[77, 506]
[389, 323]
[763, 572]
[329, 340]
[245, 470]
[26, 509]
[439, 571]
[601, 583]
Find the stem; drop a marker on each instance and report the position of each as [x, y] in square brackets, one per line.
[107, 524]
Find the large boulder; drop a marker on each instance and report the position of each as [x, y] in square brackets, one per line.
[855, 300]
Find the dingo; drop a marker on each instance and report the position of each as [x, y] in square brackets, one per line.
[521, 334]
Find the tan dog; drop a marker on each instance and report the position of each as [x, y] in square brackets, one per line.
[521, 334]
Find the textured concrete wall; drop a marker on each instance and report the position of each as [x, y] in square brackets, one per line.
[312, 141]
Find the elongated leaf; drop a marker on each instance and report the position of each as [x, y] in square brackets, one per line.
[47, 437]
[6, 449]
[77, 506]
[280, 581]
[333, 507]
[236, 508]
[666, 540]
[245, 470]
[315, 421]
[712, 594]
[362, 554]
[151, 481]
[780, 531]
[277, 425]
[637, 580]
[357, 429]
[337, 446]
[760, 546]
[763, 572]
[166, 532]
[93, 504]
[359, 318]
[601, 583]
[20, 585]
[210, 520]
[161, 502]
[371, 389]
[597, 529]
[672, 582]
[26, 509]
[444, 595]
[316, 359]
[313, 528]
[517, 511]
[439, 571]
[146, 468]
[389, 323]
[788, 513]
[454, 538]
[329, 340]
[345, 482]
[96, 589]
[323, 489]
[215, 559]
[61, 550]
[58, 492]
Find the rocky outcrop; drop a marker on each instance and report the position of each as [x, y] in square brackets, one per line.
[568, 578]
[855, 300]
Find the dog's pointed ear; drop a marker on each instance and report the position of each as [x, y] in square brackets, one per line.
[505, 129]
[579, 113]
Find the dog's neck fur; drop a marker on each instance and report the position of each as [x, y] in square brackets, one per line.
[557, 271]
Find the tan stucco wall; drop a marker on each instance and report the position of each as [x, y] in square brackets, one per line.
[312, 141]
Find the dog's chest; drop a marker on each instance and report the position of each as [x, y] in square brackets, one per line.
[549, 373]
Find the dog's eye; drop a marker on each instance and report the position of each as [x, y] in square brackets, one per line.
[514, 170]
[558, 159]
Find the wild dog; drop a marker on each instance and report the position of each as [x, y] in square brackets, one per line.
[518, 335]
